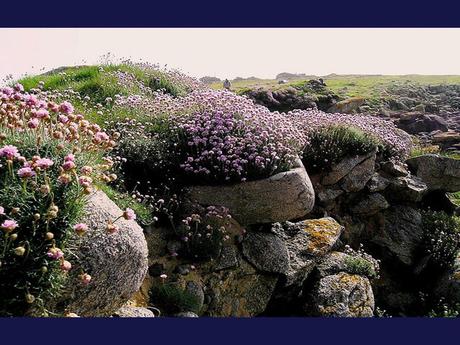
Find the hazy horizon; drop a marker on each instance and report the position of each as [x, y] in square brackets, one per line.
[231, 53]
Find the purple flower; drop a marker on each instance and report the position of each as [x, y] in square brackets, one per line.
[26, 172]
[55, 253]
[66, 107]
[129, 214]
[9, 151]
[9, 225]
[44, 163]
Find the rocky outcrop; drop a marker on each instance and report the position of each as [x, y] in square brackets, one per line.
[259, 201]
[401, 233]
[116, 262]
[347, 106]
[343, 295]
[439, 173]
[345, 166]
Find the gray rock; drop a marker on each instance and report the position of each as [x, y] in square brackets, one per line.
[394, 169]
[344, 295]
[116, 262]
[326, 196]
[408, 188]
[359, 176]
[370, 204]
[342, 169]
[439, 173]
[284, 196]
[377, 183]
[266, 251]
[332, 263]
[401, 233]
[127, 311]
[228, 258]
[196, 290]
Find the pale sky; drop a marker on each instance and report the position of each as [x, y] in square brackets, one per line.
[228, 53]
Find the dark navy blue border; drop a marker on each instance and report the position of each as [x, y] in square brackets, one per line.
[230, 13]
[229, 331]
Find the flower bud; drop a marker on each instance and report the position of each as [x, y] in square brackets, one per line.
[30, 298]
[49, 236]
[19, 251]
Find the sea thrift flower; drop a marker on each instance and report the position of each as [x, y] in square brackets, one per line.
[86, 170]
[85, 181]
[44, 163]
[68, 165]
[85, 278]
[26, 172]
[9, 151]
[69, 157]
[33, 123]
[65, 265]
[129, 214]
[2, 211]
[111, 228]
[9, 225]
[66, 107]
[65, 178]
[42, 113]
[55, 253]
[80, 228]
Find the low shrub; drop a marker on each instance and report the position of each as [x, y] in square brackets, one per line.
[172, 299]
[361, 263]
[329, 145]
[441, 237]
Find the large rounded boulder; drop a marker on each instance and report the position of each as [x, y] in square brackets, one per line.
[281, 197]
[116, 262]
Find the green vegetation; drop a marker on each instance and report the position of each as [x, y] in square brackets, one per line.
[330, 145]
[441, 237]
[172, 299]
[360, 266]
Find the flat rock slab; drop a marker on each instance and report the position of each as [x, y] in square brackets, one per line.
[284, 196]
[341, 169]
[439, 173]
[322, 235]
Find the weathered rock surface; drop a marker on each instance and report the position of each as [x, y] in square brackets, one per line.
[344, 295]
[408, 189]
[401, 233]
[343, 168]
[239, 292]
[260, 201]
[370, 204]
[128, 311]
[116, 262]
[437, 172]
[359, 176]
[377, 183]
[266, 251]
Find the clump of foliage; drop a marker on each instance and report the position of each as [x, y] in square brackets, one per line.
[441, 237]
[172, 299]
[393, 144]
[203, 233]
[329, 145]
[49, 159]
[361, 263]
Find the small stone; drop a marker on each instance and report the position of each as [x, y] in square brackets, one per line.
[186, 314]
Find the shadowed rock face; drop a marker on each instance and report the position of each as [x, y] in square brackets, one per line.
[284, 196]
[116, 262]
[439, 173]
